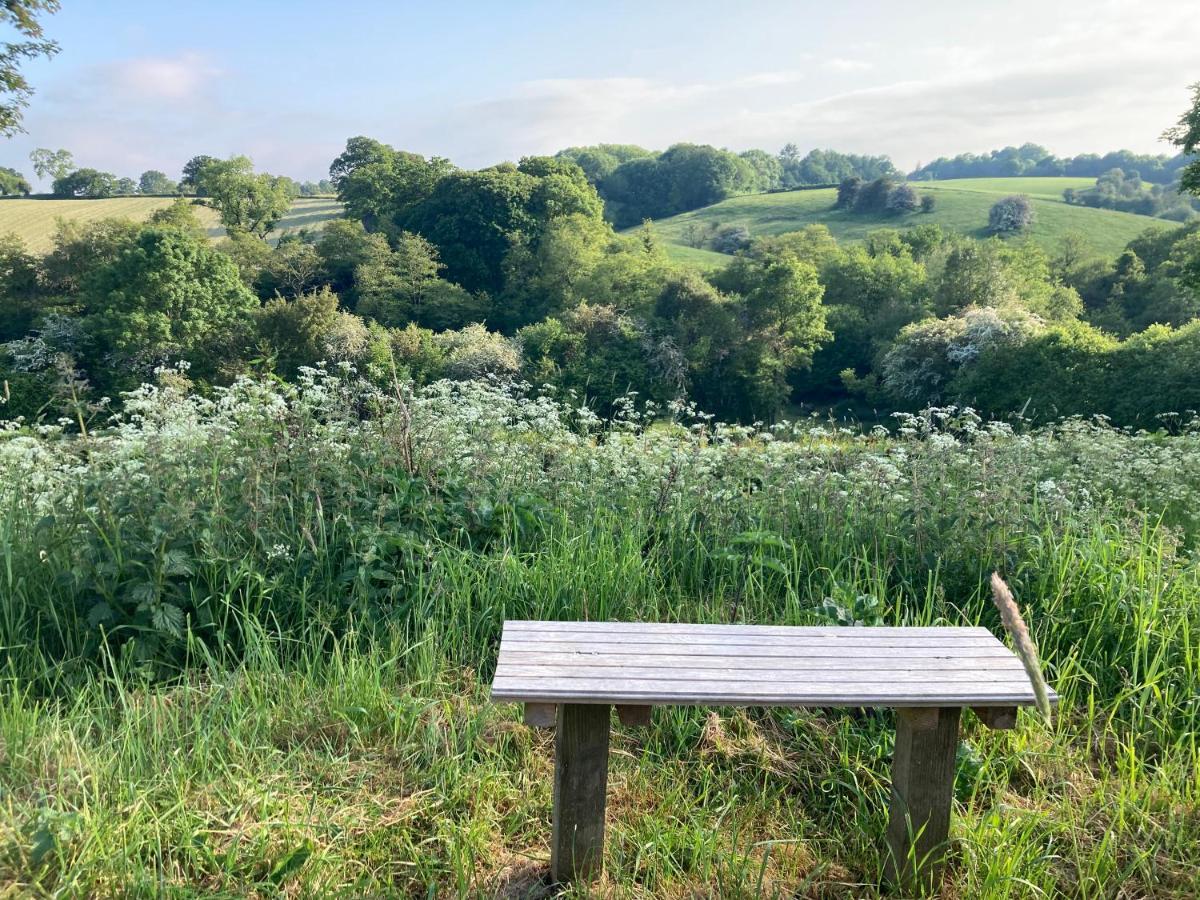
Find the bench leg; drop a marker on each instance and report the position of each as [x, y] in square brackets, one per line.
[580, 781]
[922, 791]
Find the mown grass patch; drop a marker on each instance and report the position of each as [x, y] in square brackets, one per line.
[35, 220]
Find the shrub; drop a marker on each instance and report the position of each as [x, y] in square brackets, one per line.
[903, 199]
[928, 202]
[1011, 215]
[731, 239]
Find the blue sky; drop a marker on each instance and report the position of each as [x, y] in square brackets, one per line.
[142, 84]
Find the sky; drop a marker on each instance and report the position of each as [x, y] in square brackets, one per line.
[147, 84]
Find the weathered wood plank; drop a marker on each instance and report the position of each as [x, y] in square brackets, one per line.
[687, 628]
[732, 674]
[595, 650]
[783, 663]
[540, 715]
[580, 782]
[922, 791]
[851, 638]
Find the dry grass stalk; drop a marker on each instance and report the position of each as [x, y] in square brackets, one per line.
[1010, 615]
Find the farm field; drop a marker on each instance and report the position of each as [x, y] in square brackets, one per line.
[962, 206]
[246, 647]
[34, 220]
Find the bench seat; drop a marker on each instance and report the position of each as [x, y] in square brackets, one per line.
[756, 665]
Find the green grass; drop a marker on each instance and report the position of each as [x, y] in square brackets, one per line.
[962, 206]
[34, 220]
[694, 257]
[323, 726]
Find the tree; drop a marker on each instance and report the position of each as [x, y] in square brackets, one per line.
[301, 331]
[1011, 215]
[779, 305]
[87, 184]
[156, 182]
[18, 287]
[685, 176]
[973, 275]
[13, 182]
[247, 201]
[15, 91]
[1186, 136]
[601, 160]
[345, 245]
[873, 196]
[847, 192]
[379, 184]
[189, 179]
[168, 295]
[404, 287]
[477, 219]
[293, 268]
[597, 351]
[768, 170]
[52, 164]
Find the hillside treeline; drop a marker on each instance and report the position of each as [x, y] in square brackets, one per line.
[1036, 160]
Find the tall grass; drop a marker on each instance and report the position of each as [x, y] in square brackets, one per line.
[245, 643]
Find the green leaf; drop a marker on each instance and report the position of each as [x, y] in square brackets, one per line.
[290, 863]
[168, 618]
[176, 562]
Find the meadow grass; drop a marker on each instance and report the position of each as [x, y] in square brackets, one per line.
[246, 642]
[962, 207]
[35, 220]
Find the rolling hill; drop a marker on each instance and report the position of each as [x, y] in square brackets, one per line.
[33, 220]
[962, 206]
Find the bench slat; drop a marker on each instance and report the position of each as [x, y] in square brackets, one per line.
[573, 639]
[776, 662]
[758, 676]
[516, 627]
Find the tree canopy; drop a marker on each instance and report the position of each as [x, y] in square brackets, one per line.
[24, 16]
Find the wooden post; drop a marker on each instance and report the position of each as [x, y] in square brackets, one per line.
[922, 791]
[580, 782]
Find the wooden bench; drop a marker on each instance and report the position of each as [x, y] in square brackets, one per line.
[570, 674]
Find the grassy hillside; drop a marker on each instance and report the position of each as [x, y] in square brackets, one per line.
[33, 220]
[962, 205]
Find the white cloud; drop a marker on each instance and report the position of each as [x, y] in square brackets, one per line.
[840, 64]
[173, 79]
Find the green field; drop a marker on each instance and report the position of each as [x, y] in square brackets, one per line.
[962, 206]
[34, 220]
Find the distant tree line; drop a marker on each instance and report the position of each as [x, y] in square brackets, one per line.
[71, 181]
[638, 184]
[1035, 160]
